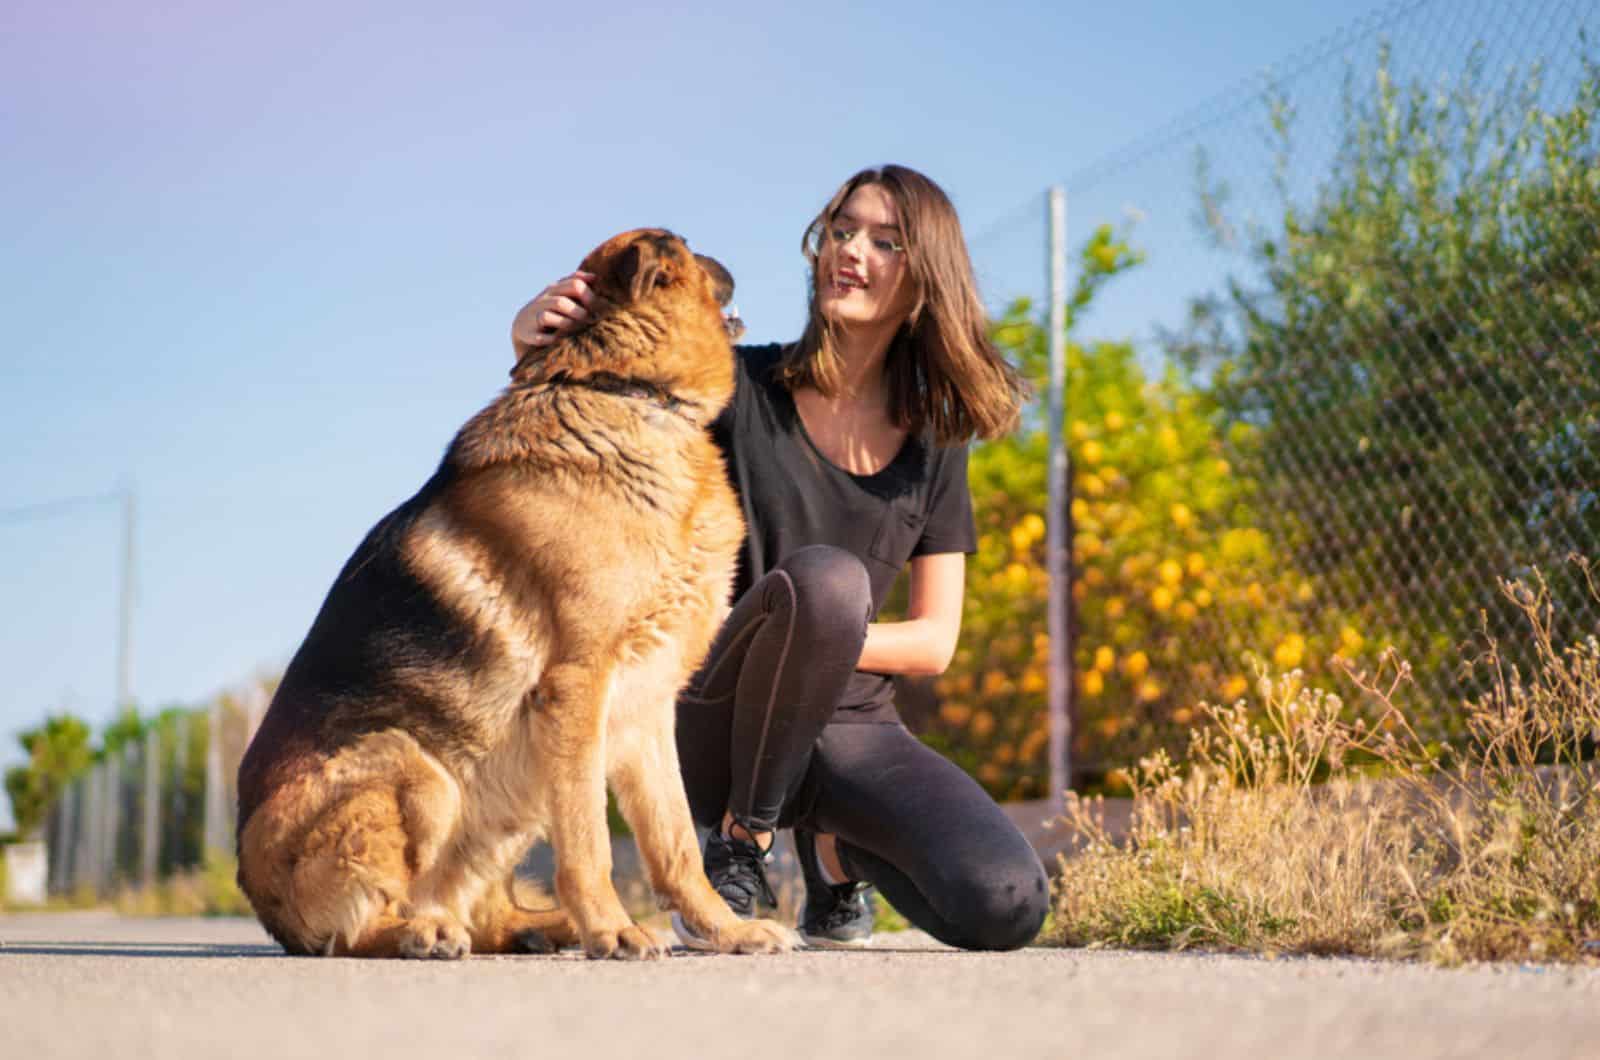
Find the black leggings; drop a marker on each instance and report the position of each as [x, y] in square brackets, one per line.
[755, 740]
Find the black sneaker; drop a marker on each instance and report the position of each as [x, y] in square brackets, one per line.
[737, 871]
[837, 915]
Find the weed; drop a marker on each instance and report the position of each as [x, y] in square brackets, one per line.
[1293, 828]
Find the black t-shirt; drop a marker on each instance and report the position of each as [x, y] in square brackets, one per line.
[793, 496]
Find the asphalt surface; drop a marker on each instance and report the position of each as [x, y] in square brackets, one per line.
[95, 985]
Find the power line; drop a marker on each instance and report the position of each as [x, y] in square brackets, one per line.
[1028, 210]
[48, 509]
[61, 506]
[1242, 95]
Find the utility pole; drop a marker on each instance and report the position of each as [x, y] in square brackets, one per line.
[1057, 517]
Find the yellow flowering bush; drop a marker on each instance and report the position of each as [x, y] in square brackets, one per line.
[1173, 584]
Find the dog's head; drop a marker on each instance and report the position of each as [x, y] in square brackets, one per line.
[657, 317]
[637, 263]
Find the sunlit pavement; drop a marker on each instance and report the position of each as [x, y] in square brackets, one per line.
[96, 985]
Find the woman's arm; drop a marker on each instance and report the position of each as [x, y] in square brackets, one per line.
[926, 641]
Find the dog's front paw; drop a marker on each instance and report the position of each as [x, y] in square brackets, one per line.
[632, 943]
[756, 936]
[434, 938]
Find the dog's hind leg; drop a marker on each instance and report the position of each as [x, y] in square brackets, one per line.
[330, 860]
[353, 884]
[500, 925]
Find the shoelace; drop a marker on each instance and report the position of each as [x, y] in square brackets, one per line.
[748, 873]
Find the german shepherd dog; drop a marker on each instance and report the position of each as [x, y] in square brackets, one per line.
[505, 643]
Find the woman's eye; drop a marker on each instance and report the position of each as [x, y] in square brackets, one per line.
[887, 246]
[843, 235]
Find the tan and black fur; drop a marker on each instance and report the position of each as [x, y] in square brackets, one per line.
[505, 643]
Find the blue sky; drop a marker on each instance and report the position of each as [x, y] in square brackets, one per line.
[260, 260]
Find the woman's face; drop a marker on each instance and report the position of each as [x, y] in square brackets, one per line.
[862, 273]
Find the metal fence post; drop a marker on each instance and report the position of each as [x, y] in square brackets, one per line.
[110, 800]
[150, 833]
[178, 815]
[216, 810]
[61, 839]
[1057, 544]
[89, 831]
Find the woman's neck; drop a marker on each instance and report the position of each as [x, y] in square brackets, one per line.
[862, 355]
[852, 428]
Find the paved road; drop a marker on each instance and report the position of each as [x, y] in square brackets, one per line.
[93, 985]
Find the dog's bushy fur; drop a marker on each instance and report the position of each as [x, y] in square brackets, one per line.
[507, 641]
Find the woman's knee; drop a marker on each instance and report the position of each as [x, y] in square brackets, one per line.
[1001, 907]
[831, 588]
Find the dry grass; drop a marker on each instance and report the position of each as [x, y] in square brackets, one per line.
[1291, 828]
[209, 890]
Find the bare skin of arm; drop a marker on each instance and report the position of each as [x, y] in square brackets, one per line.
[926, 641]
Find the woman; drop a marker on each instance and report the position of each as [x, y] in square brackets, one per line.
[848, 450]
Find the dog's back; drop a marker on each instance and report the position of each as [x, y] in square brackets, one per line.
[345, 678]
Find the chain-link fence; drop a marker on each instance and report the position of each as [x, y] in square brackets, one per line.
[1334, 375]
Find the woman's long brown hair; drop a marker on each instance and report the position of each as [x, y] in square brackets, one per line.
[941, 367]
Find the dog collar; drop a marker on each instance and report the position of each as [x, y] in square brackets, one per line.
[607, 383]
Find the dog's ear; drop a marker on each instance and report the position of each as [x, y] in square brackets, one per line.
[641, 267]
[721, 278]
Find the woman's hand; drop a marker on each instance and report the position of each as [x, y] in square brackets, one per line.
[559, 309]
